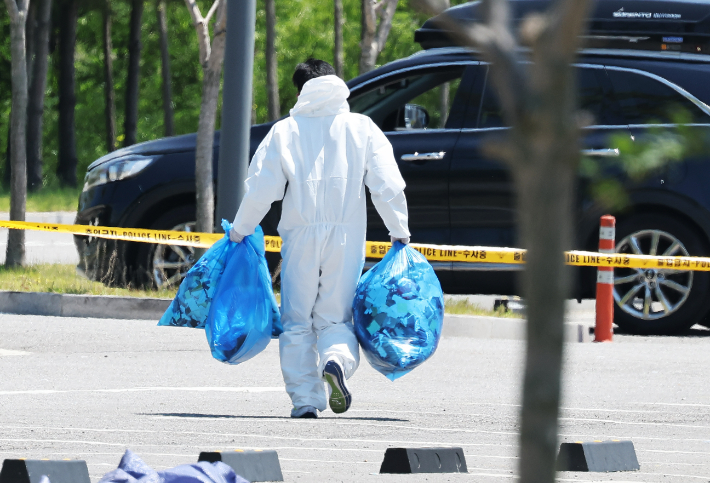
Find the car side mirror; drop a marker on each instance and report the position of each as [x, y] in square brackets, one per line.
[415, 117]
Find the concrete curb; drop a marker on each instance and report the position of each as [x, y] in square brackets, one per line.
[99, 306]
[114, 307]
[478, 327]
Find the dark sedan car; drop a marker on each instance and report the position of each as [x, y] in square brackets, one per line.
[437, 108]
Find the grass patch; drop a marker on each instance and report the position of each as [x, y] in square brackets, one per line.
[464, 307]
[64, 279]
[50, 198]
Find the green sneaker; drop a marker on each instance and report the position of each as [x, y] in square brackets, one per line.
[340, 396]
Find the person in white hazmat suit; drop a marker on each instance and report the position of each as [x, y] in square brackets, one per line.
[319, 160]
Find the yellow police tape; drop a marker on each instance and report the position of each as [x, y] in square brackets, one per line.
[437, 253]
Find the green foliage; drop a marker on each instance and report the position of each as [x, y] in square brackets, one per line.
[304, 29]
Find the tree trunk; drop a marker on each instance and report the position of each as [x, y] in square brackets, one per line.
[15, 254]
[30, 39]
[338, 21]
[66, 168]
[130, 124]
[168, 123]
[272, 73]
[444, 90]
[109, 92]
[211, 59]
[8, 155]
[539, 102]
[376, 23]
[546, 230]
[204, 177]
[253, 99]
[444, 104]
[38, 85]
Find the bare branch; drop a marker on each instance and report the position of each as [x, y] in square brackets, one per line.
[498, 47]
[213, 8]
[532, 28]
[383, 29]
[429, 7]
[194, 10]
[377, 6]
[567, 24]
[219, 39]
[203, 34]
[13, 10]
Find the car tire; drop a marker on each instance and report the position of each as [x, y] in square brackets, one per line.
[659, 301]
[176, 260]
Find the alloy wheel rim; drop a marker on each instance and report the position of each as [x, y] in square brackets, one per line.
[651, 294]
[171, 262]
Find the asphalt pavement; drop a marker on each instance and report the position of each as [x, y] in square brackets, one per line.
[91, 388]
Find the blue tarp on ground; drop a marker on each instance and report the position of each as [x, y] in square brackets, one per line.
[132, 469]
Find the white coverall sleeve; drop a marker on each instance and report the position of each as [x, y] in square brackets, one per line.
[386, 185]
[265, 184]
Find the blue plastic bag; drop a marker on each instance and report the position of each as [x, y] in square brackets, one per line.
[191, 305]
[398, 312]
[244, 314]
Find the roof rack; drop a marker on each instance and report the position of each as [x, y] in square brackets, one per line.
[660, 25]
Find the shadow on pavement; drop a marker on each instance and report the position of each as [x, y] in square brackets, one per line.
[234, 416]
[695, 331]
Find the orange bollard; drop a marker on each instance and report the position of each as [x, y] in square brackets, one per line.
[605, 282]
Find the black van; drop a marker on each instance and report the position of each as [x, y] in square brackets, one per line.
[437, 107]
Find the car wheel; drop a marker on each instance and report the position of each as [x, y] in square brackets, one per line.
[163, 266]
[659, 301]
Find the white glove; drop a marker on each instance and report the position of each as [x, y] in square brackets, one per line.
[404, 241]
[234, 236]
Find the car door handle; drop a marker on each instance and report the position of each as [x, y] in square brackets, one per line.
[606, 153]
[424, 156]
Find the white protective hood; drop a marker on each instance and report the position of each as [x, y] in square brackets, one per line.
[322, 96]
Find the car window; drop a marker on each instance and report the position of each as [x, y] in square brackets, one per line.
[592, 98]
[414, 102]
[645, 100]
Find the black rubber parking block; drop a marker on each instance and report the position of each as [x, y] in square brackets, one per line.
[31, 471]
[424, 460]
[252, 465]
[598, 456]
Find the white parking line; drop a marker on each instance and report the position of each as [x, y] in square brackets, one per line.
[672, 451]
[331, 461]
[635, 423]
[35, 392]
[213, 435]
[8, 352]
[693, 405]
[573, 436]
[494, 475]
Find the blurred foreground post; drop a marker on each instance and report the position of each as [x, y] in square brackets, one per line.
[539, 103]
[236, 107]
[17, 9]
